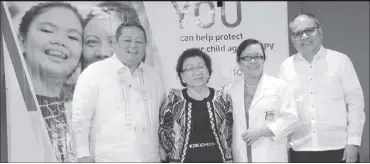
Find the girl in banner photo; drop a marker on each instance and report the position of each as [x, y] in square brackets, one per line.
[52, 51]
[104, 15]
[116, 12]
[264, 109]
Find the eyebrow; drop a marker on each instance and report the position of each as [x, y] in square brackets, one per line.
[187, 65]
[48, 23]
[89, 36]
[254, 54]
[55, 26]
[131, 37]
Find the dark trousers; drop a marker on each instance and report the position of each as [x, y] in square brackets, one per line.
[166, 161]
[331, 156]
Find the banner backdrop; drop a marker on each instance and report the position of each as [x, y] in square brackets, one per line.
[175, 26]
[171, 27]
[218, 31]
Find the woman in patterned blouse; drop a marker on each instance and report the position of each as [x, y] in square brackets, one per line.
[52, 49]
[196, 122]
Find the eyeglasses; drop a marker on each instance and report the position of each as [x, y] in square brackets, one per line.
[307, 31]
[255, 58]
[193, 69]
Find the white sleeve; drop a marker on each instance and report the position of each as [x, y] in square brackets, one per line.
[83, 107]
[285, 123]
[354, 98]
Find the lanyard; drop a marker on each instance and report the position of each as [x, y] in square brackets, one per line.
[135, 101]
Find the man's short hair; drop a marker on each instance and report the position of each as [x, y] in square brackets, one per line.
[310, 15]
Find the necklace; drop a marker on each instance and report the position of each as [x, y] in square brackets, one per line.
[251, 86]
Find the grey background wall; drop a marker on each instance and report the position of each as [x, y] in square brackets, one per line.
[345, 29]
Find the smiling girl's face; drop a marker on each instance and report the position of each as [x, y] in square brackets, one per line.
[53, 43]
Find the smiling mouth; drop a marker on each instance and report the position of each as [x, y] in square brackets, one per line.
[56, 53]
[253, 67]
[198, 78]
[132, 52]
[306, 43]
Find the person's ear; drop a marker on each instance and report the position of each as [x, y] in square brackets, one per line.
[22, 42]
[144, 58]
[292, 39]
[320, 31]
[182, 78]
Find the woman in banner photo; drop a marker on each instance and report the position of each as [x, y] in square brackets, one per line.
[196, 122]
[264, 109]
[100, 27]
[52, 50]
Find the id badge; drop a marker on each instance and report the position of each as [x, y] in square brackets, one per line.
[270, 115]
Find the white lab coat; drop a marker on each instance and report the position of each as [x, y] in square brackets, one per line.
[272, 94]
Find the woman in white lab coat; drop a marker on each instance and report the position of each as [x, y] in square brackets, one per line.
[264, 109]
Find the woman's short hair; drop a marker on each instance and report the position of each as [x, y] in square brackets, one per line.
[36, 10]
[124, 10]
[192, 52]
[246, 43]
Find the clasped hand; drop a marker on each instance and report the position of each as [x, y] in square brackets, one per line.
[251, 135]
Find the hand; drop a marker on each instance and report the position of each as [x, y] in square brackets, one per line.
[251, 135]
[88, 159]
[350, 153]
[162, 154]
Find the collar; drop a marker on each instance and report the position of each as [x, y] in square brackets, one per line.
[120, 67]
[320, 53]
[261, 82]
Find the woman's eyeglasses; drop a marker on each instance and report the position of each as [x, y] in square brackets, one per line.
[193, 69]
[307, 31]
[255, 58]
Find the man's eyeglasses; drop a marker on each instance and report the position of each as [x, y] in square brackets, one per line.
[249, 58]
[307, 31]
[193, 69]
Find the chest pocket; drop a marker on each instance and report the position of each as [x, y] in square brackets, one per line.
[333, 87]
[268, 107]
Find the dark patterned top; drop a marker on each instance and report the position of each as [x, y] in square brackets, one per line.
[53, 112]
[201, 140]
[176, 121]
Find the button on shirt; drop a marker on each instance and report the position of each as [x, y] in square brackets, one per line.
[329, 101]
[115, 113]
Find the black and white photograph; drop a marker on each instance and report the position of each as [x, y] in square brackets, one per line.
[185, 81]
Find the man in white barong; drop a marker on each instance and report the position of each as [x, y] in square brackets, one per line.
[328, 94]
[116, 104]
